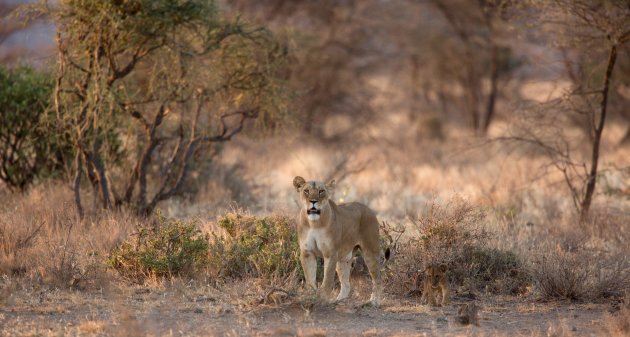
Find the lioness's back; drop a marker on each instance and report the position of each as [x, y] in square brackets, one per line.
[358, 212]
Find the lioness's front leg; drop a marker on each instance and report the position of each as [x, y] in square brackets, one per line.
[329, 276]
[309, 265]
[343, 271]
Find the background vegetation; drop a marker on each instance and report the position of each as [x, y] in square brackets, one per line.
[158, 140]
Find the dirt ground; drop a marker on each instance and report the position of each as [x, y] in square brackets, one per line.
[206, 311]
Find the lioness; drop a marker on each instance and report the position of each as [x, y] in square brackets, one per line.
[435, 283]
[333, 231]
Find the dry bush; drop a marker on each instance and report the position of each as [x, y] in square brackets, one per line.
[587, 261]
[446, 233]
[264, 247]
[581, 274]
[454, 235]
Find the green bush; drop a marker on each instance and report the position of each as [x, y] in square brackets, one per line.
[171, 247]
[29, 147]
[264, 247]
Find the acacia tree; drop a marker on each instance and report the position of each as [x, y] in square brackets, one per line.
[594, 31]
[145, 87]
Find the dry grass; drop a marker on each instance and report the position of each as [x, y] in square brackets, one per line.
[42, 239]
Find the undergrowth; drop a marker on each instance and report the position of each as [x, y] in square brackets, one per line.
[454, 235]
[168, 248]
[265, 247]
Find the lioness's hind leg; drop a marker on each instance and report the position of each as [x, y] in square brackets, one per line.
[343, 271]
[372, 261]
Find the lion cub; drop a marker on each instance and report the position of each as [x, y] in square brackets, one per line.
[468, 314]
[333, 231]
[435, 285]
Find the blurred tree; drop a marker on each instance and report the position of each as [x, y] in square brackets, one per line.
[145, 87]
[479, 28]
[591, 34]
[339, 42]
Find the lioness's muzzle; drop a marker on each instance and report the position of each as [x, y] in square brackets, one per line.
[313, 211]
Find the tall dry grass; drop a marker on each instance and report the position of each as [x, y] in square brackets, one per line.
[43, 240]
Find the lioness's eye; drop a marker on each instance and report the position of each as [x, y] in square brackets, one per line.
[306, 192]
[321, 192]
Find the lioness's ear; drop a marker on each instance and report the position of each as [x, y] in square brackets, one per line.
[298, 182]
[331, 185]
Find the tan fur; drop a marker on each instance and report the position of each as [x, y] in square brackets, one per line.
[435, 285]
[333, 231]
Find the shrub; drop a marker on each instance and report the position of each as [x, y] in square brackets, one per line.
[171, 247]
[264, 247]
[453, 235]
[447, 234]
[496, 270]
[580, 275]
[28, 147]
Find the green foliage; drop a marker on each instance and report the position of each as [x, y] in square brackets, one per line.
[171, 247]
[260, 247]
[170, 78]
[29, 146]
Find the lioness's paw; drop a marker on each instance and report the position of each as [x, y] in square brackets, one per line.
[369, 304]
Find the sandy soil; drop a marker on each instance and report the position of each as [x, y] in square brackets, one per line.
[206, 311]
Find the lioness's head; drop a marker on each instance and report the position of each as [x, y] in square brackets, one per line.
[313, 196]
[435, 274]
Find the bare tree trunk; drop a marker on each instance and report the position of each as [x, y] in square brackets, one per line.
[77, 183]
[599, 129]
[102, 179]
[494, 79]
[99, 167]
[474, 103]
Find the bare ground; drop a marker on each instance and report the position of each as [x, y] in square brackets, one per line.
[193, 310]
